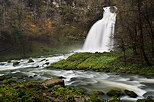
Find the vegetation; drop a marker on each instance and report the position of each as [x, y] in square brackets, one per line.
[23, 23]
[32, 91]
[104, 62]
[134, 28]
[31, 28]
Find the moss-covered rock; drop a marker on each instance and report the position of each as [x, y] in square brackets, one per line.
[30, 60]
[9, 61]
[130, 93]
[15, 63]
[53, 82]
[114, 99]
[116, 93]
[36, 92]
[98, 93]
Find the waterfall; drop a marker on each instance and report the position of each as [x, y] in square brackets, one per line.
[100, 36]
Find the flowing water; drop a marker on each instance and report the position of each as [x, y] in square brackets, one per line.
[87, 80]
[100, 36]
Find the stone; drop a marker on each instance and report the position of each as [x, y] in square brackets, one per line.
[97, 92]
[30, 60]
[54, 81]
[9, 61]
[116, 93]
[47, 63]
[15, 63]
[130, 93]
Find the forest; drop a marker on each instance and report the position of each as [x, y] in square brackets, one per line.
[39, 62]
[26, 24]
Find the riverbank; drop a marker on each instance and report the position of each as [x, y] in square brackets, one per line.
[112, 62]
[37, 49]
[51, 90]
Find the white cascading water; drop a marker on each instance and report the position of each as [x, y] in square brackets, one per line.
[100, 36]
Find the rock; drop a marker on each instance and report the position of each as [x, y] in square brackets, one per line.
[52, 82]
[145, 100]
[114, 99]
[130, 93]
[30, 76]
[30, 60]
[116, 93]
[97, 92]
[42, 60]
[9, 61]
[47, 63]
[61, 77]
[150, 97]
[2, 64]
[15, 63]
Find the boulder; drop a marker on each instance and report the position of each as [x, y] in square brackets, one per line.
[30, 60]
[116, 93]
[97, 92]
[130, 93]
[9, 61]
[52, 82]
[15, 63]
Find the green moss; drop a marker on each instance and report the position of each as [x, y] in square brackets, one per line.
[131, 93]
[116, 93]
[9, 81]
[97, 92]
[37, 92]
[103, 62]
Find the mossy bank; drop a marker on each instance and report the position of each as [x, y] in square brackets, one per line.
[104, 62]
[52, 90]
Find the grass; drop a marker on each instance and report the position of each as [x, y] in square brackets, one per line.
[104, 62]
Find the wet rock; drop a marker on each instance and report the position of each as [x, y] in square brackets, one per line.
[42, 60]
[2, 63]
[35, 75]
[52, 82]
[30, 60]
[15, 63]
[145, 100]
[47, 63]
[61, 77]
[9, 61]
[116, 93]
[150, 97]
[30, 76]
[97, 92]
[114, 99]
[130, 93]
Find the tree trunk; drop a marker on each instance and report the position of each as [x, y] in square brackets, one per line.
[140, 31]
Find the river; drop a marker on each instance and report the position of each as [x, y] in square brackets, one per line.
[87, 80]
